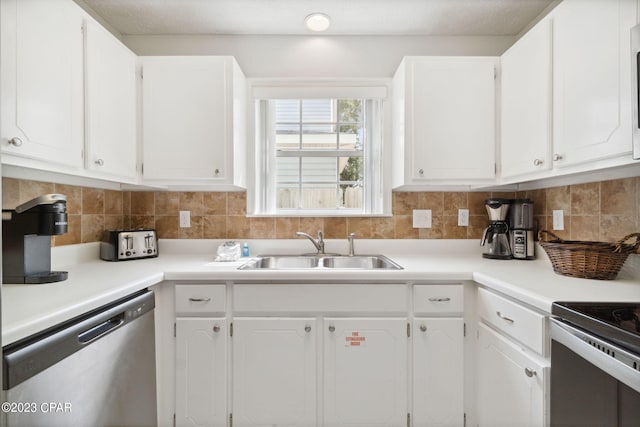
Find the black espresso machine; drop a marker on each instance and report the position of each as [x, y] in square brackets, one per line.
[26, 239]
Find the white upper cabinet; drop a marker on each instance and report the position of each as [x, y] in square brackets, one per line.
[592, 85]
[444, 121]
[566, 87]
[42, 81]
[111, 102]
[526, 103]
[193, 120]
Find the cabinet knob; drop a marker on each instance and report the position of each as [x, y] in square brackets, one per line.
[307, 328]
[421, 172]
[557, 157]
[99, 162]
[332, 328]
[423, 328]
[16, 142]
[529, 372]
[216, 329]
[217, 172]
[537, 162]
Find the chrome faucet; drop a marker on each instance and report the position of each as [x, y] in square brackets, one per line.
[351, 237]
[319, 243]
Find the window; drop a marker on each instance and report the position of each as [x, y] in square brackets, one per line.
[319, 156]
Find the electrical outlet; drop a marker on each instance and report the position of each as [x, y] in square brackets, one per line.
[558, 219]
[185, 219]
[422, 218]
[463, 217]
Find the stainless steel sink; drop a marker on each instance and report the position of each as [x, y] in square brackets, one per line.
[362, 262]
[281, 262]
[297, 262]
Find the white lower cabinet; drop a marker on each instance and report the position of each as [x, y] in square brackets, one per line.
[365, 372]
[277, 363]
[274, 371]
[511, 383]
[201, 372]
[438, 372]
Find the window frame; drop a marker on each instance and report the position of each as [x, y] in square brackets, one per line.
[261, 190]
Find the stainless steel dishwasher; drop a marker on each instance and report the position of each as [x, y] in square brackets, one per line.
[95, 370]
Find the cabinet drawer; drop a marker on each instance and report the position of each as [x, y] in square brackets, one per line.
[200, 299]
[326, 298]
[438, 299]
[519, 322]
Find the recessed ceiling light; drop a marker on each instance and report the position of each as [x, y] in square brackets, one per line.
[318, 22]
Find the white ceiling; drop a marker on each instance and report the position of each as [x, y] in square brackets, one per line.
[350, 17]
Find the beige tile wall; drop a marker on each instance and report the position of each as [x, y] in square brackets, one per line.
[605, 211]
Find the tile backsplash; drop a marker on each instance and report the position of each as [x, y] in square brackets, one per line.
[606, 211]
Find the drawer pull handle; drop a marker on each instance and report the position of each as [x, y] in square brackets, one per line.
[332, 328]
[307, 328]
[216, 329]
[423, 328]
[439, 299]
[199, 299]
[529, 372]
[505, 318]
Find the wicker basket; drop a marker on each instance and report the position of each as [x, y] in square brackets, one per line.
[589, 260]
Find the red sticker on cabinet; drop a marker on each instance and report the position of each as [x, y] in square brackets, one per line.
[355, 340]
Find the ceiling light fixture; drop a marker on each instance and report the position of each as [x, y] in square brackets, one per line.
[318, 22]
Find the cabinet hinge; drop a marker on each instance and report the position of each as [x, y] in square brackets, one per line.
[464, 420]
[230, 420]
[408, 420]
[231, 329]
[141, 73]
[174, 420]
[408, 330]
[464, 329]
[141, 168]
[175, 328]
[495, 73]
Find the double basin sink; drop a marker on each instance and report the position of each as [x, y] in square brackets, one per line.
[297, 262]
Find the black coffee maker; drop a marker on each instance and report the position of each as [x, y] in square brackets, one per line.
[26, 239]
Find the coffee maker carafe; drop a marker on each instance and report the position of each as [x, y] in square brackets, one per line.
[495, 239]
[26, 239]
[521, 225]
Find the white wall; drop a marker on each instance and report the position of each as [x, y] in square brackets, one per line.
[318, 56]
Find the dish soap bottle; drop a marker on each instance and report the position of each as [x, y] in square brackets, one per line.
[245, 250]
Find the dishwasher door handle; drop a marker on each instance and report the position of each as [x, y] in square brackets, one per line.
[101, 329]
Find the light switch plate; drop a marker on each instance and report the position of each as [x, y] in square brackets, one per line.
[558, 219]
[422, 218]
[463, 217]
[185, 219]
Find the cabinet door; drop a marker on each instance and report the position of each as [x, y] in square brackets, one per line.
[526, 103]
[365, 372]
[42, 69]
[438, 372]
[451, 102]
[111, 104]
[274, 372]
[592, 118]
[186, 121]
[201, 372]
[511, 384]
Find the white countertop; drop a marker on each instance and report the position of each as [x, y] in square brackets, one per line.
[28, 309]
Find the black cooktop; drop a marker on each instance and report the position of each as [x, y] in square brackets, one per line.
[615, 322]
